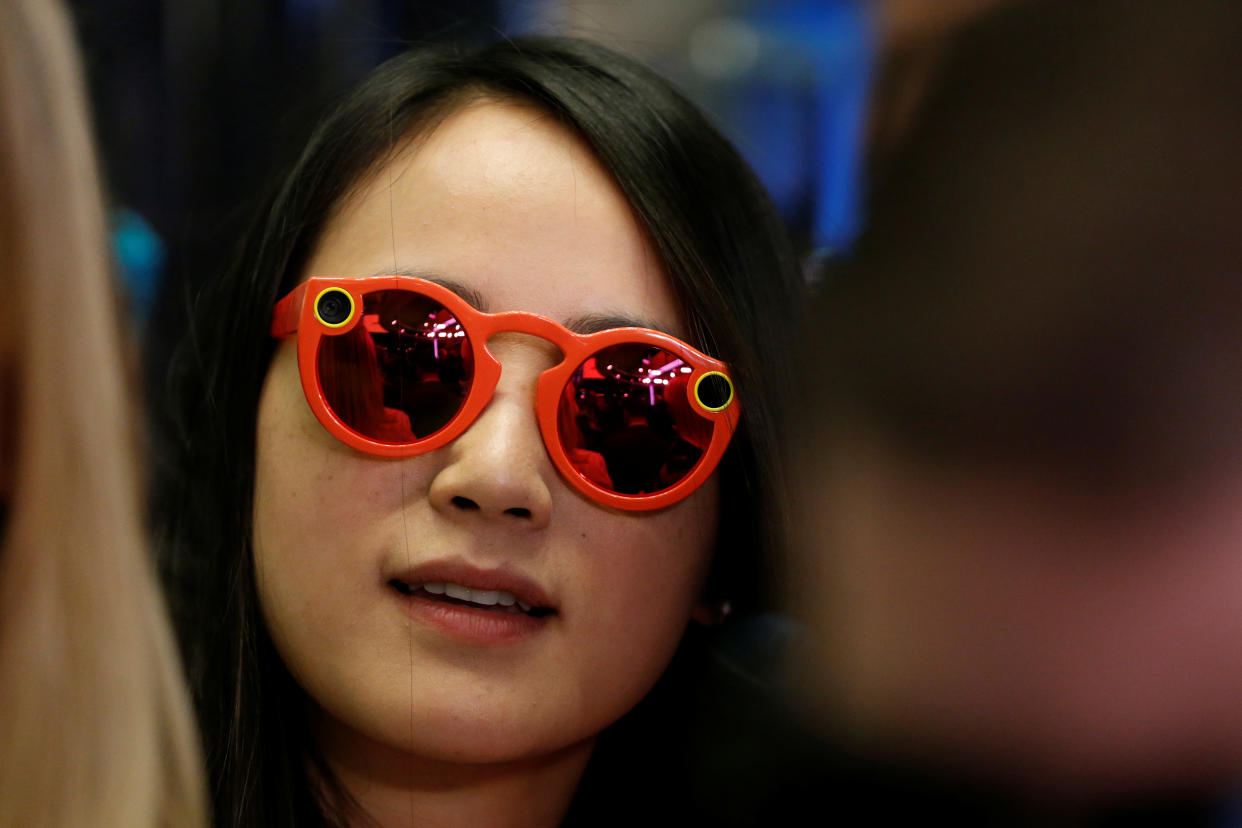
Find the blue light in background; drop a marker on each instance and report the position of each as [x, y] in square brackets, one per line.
[139, 253]
[813, 88]
[787, 80]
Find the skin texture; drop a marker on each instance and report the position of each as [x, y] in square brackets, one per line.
[501, 200]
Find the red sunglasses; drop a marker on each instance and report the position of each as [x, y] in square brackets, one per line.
[397, 366]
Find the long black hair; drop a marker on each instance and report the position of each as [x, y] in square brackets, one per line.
[720, 242]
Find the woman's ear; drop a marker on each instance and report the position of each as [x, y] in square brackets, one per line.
[710, 613]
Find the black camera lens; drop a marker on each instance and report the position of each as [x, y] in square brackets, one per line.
[714, 391]
[334, 307]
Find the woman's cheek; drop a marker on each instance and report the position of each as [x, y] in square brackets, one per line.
[649, 576]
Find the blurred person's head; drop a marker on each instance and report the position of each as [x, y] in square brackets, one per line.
[1020, 540]
[94, 721]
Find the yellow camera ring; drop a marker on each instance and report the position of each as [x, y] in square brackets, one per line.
[719, 387]
[328, 309]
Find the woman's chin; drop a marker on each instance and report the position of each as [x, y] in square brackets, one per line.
[453, 737]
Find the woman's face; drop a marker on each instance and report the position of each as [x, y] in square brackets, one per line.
[513, 210]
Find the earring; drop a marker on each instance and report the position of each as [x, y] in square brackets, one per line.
[712, 614]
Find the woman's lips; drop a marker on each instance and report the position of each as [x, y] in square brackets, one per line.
[473, 604]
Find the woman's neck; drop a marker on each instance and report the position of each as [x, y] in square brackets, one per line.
[396, 789]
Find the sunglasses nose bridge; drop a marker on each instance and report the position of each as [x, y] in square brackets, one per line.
[532, 329]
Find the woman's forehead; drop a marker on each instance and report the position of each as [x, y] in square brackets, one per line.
[504, 201]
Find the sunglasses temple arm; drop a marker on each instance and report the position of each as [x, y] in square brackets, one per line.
[287, 312]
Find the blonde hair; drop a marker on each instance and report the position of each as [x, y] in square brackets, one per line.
[95, 723]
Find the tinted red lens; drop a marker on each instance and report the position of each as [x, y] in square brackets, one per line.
[626, 422]
[402, 372]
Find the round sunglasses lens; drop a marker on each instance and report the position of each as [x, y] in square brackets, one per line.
[626, 422]
[402, 373]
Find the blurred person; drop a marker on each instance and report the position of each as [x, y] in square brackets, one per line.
[95, 725]
[1019, 530]
[913, 38]
[420, 586]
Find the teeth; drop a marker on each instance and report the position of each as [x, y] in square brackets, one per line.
[486, 598]
[525, 607]
[483, 597]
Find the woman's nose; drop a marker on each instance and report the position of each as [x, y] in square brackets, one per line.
[498, 469]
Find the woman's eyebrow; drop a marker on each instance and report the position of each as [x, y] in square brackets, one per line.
[471, 296]
[594, 323]
[588, 323]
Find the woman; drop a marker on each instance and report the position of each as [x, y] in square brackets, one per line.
[346, 546]
[95, 725]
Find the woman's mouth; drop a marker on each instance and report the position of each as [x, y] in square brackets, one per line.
[494, 600]
[473, 605]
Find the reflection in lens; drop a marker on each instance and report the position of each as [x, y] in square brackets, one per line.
[626, 423]
[402, 373]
